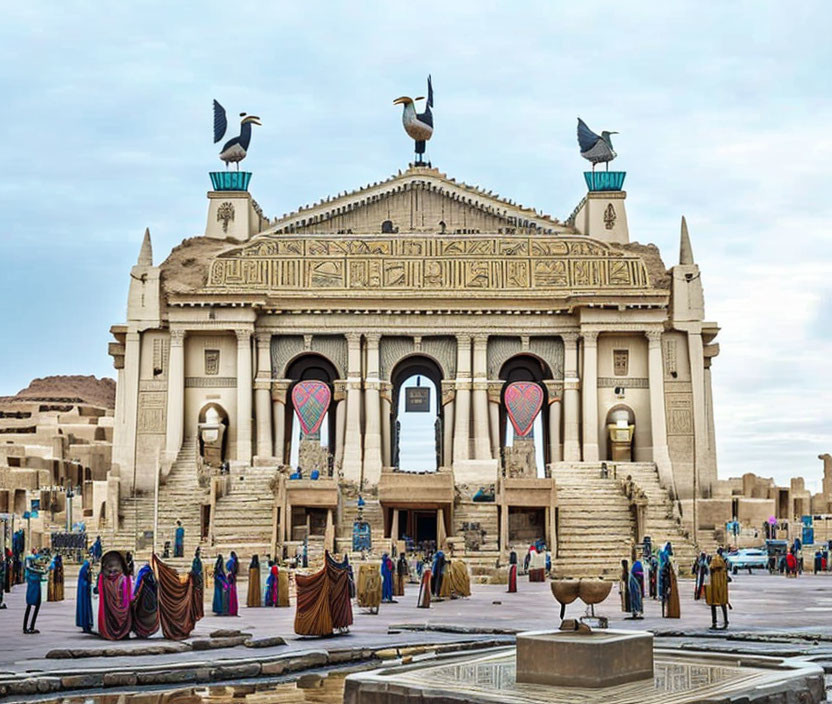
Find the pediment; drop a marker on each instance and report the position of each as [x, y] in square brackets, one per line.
[419, 200]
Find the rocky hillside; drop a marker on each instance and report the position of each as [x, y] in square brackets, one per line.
[97, 392]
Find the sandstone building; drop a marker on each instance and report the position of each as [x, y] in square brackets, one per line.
[422, 276]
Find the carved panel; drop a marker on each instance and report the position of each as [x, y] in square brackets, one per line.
[610, 382]
[283, 349]
[210, 382]
[620, 362]
[414, 262]
[161, 352]
[443, 349]
[548, 348]
[212, 362]
[152, 412]
[391, 349]
[669, 356]
[498, 351]
[334, 348]
[679, 414]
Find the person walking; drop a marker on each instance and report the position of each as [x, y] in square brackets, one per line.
[83, 599]
[179, 540]
[716, 592]
[34, 572]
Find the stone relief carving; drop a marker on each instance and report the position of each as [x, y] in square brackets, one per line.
[284, 348]
[212, 362]
[210, 382]
[503, 348]
[225, 214]
[679, 414]
[161, 352]
[669, 359]
[519, 458]
[610, 382]
[334, 348]
[609, 217]
[152, 412]
[473, 262]
[312, 456]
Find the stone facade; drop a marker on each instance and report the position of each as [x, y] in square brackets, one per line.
[417, 272]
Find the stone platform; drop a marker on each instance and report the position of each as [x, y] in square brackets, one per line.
[679, 678]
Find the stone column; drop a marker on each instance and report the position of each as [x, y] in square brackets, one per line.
[352, 436]
[244, 395]
[495, 389]
[339, 398]
[262, 393]
[571, 384]
[462, 402]
[176, 395]
[590, 396]
[372, 415]
[386, 406]
[394, 528]
[441, 535]
[504, 527]
[658, 427]
[279, 390]
[553, 391]
[447, 395]
[482, 441]
[700, 428]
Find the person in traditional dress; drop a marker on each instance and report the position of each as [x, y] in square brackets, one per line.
[34, 572]
[232, 569]
[700, 574]
[636, 590]
[438, 573]
[254, 597]
[8, 578]
[199, 584]
[55, 585]
[423, 601]
[96, 550]
[271, 586]
[669, 589]
[145, 603]
[791, 564]
[17, 557]
[402, 571]
[512, 572]
[83, 598]
[131, 565]
[716, 593]
[653, 576]
[386, 579]
[220, 604]
[624, 586]
[179, 540]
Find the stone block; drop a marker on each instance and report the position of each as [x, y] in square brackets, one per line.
[120, 679]
[270, 642]
[82, 681]
[597, 659]
[234, 672]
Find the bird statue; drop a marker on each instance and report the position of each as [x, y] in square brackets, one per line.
[419, 126]
[595, 149]
[234, 150]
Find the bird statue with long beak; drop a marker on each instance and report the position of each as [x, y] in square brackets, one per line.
[594, 148]
[419, 126]
[234, 150]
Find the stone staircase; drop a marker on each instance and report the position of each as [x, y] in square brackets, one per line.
[243, 518]
[180, 499]
[349, 514]
[483, 561]
[595, 525]
[661, 523]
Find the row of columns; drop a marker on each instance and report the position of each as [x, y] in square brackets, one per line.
[361, 454]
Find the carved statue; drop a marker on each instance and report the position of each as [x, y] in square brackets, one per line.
[419, 126]
[597, 149]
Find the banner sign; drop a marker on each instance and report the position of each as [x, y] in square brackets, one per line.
[311, 401]
[417, 399]
[523, 399]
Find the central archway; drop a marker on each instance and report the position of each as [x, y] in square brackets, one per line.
[415, 426]
[526, 367]
[308, 367]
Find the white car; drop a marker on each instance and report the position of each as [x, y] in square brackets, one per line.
[747, 558]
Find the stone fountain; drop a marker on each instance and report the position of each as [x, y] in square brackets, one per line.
[581, 664]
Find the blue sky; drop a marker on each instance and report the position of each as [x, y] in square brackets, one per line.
[723, 109]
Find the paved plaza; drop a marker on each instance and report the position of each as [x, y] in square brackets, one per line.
[797, 611]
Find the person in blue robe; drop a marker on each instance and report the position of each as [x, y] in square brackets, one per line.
[83, 598]
[179, 541]
[220, 605]
[386, 579]
[635, 591]
[96, 550]
[438, 573]
[34, 571]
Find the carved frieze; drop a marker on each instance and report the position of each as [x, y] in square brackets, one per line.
[291, 262]
[210, 382]
[610, 382]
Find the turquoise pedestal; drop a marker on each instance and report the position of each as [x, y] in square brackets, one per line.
[230, 180]
[604, 180]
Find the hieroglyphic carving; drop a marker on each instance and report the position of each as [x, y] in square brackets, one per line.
[225, 214]
[212, 362]
[161, 351]
[669, 359]
[471, 262]
[609, 217]
[151, 414]
[679, 414]
[610, 382]
[210, 382]
[502, 348]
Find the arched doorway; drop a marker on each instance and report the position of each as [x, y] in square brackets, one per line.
[527, 456]
[213, 434]
[416, 417]
[620, 435]
[309, 452]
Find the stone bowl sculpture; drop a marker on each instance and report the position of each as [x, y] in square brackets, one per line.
[590, 591]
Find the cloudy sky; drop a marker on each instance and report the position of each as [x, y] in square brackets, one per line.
[723, 109]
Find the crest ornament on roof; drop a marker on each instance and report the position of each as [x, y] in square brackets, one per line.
[419, 126]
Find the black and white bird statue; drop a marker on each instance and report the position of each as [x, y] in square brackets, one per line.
[419, 126]
[594, 148]
[234, 150]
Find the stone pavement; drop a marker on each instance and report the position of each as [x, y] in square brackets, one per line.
[763, 606]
